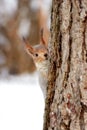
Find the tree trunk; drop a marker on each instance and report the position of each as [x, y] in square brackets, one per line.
[66, 102]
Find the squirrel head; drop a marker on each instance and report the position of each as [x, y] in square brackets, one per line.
[39, 52]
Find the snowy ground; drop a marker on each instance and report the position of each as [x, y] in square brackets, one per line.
[21, 103]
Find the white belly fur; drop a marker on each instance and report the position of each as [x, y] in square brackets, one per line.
[42, 72]
[43, 84]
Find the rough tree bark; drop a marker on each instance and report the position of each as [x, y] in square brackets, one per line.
[66, 102]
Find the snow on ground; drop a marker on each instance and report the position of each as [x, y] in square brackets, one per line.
[21, 103]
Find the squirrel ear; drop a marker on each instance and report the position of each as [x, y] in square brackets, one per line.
[28, 47]
[42, 39]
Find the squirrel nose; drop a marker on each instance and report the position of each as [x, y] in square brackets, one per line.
[46, 58]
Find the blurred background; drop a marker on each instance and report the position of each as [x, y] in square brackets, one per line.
[21, 99]
[20, 18]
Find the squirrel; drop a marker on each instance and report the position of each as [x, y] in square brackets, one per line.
[39, 54]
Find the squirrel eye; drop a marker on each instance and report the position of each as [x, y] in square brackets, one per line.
[45, 54]
[36, 55]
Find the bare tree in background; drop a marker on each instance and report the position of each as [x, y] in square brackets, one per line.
[66, 103]
[25, 17]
